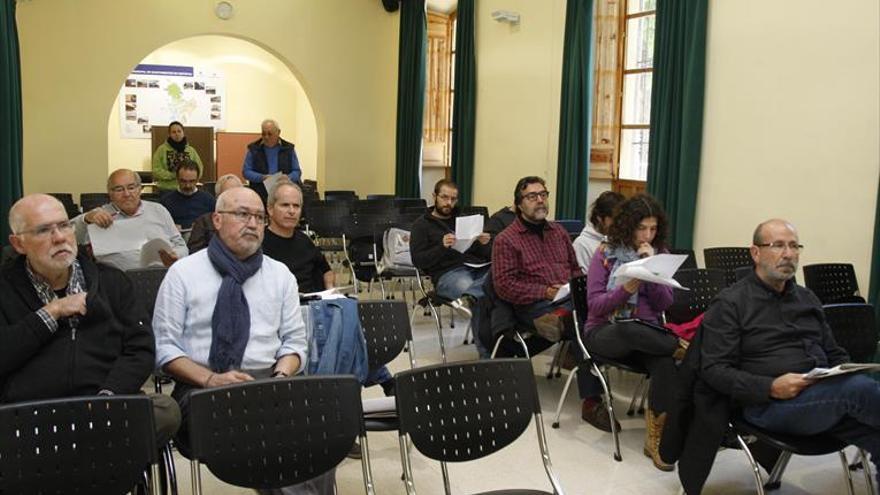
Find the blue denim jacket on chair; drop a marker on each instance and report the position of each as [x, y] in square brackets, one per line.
[336, 343]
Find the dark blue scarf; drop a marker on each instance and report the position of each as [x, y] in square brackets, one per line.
[231, 322]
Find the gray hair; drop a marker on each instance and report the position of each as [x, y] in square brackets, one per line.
[137, 177]
[218, 187]
[16, 212]
[270, 121]
[282, 182]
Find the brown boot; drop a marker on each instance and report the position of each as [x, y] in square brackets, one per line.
[654, 430]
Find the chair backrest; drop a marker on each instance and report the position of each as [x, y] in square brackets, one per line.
[727, 259]
[327, 219]
[90, 201]
[81, 445]
[855, 329]
[275, 432]
[832, 282]
[401, 203]
[388, 197]
[340, 195]
[154, 197]
[379, 205]
[572, 226]
[386, 330]
[466, 410]
[690, 263]
[146, 283]
[210, 188]
[578, 286]
[474, 210]
[704, 285]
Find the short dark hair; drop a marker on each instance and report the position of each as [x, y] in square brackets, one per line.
[522, 184]
[630, 213]
[187, 164]
[444, 183]
[604, 207]
[173, 123]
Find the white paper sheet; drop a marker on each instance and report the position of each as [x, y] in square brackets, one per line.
[467, 229]
[562, 293]
[658, 269]
[379, 405]
[478, 265]
[331, 293]
[150, 252]
[842, 369]
[123, 235]
[273, 179]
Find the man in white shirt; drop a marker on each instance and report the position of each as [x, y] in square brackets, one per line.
[133, 221]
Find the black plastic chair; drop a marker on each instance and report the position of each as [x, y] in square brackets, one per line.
[703, 285]
[790, 444]
[578, 287]
[854, 327]
[572, 226]
[727, 259]
[388, 197]
[326, 221]
[384, 273]
[146, 283]
[210, 188]
[274, 433]
[833, 282]
[690, 263]
[80, 445]
[465, 411]
[401, 203]
[475, 210]
[90, 201]
[340, 195]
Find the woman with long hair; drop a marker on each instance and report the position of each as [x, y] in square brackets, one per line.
[617, 308]
[174, 151]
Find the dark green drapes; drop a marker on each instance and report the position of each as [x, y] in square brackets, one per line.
[874, 283]
[10, 115]
[573, 167]
[410, 98]
[464, 107]
[677, 112]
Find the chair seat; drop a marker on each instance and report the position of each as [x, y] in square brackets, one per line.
[515, 492]
[800, 445]
[380, 423]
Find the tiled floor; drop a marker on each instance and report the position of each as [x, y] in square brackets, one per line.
[581, 455]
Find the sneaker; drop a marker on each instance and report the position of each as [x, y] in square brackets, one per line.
[594, 412]
[355, 452]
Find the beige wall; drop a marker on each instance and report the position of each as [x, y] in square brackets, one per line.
[258, 86]
[792, 119]
[519, 78]
[76, 53]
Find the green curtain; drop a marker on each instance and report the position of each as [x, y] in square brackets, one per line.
[573, 167]
[10, 115]
[874, 283]
[464, 107]
[677, 113]
[413, 46]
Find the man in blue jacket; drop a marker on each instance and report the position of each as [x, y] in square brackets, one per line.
[269, 155]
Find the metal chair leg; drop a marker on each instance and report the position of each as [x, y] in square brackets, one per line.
[196, 477]
[609, 406]
[170, 468]
[846, 473]
[869, 480]
[445, 471]
[756, 471]
[636, 394]
[775, 479]
[434, 312]
[562, 397]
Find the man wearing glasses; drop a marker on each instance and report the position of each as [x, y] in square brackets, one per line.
[69, 327]
[129, 222]
[269, 155]
[762, 334]
[228, 314]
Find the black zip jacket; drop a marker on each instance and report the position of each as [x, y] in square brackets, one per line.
[112, 347]
[428, 253]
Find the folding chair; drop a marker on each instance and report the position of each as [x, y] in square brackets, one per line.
[274, 433]
[727, 259]
[465, 411]
[833, 282]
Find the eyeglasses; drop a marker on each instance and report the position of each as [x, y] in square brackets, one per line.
[533, 196]
[780, 246]
[245, 216]
[451, 199]
[130, 188]
[44, 231]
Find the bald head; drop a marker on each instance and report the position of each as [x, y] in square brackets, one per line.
[122, 175]
[239, 218]
[18, 214]
[759, 236]
[44, 234]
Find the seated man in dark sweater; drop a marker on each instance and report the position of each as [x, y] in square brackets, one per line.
[187, 203]
[432, 237]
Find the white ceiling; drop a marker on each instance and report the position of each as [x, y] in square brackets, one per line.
[442, 6]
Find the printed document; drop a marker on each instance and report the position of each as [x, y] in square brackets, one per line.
[467, 229]
[842, 369]
[150, 252]
[658, 269]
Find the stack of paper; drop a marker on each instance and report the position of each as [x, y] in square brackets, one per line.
[842, 369]
[658, 269]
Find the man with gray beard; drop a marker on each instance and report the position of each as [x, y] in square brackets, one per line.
[70, 327]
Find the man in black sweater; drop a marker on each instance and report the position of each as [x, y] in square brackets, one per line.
[764, 333]
[70, 327]
[454, 274]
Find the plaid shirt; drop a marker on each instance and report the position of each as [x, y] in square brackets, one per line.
[75, 285]
[524, 264]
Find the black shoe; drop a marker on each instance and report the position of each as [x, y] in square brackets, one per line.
[388, 387]
[355, 452]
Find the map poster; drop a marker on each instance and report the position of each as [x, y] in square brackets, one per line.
[160, 94]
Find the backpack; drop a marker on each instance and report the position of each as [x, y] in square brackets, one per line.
[395, 246]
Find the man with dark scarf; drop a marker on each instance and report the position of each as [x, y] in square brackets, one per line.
[228, 314]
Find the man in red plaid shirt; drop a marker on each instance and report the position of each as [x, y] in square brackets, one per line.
[531, 260]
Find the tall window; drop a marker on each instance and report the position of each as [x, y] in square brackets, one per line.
[635, 108]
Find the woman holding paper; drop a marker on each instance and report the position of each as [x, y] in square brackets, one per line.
[621, 311]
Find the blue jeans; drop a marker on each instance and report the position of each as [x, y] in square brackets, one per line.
[846, 407]
[588, 385]
[465, 280]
